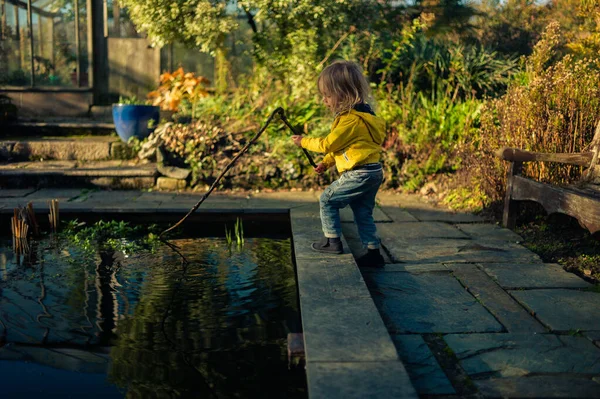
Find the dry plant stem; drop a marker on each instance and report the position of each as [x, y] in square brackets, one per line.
[53, 216]
[20, 245]
[13, 224]
[20, 230]
[32, 219]
[19, 227]
[242, 151]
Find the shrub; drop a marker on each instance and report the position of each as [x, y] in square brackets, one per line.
[177, 87]
[206, 148]
[554, 107]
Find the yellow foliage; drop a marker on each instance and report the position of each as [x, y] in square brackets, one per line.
[176, 86]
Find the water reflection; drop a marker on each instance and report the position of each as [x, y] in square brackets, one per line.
[152, 325]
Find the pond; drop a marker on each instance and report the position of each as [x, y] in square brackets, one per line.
[204, 318]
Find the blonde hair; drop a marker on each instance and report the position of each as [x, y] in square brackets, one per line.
[345, 83]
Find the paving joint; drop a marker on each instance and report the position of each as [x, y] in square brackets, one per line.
[450, 365]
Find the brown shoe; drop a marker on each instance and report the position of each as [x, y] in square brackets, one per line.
[328, 246]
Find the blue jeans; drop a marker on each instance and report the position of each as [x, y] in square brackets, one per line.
[358, 189]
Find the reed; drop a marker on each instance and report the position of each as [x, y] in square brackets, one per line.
[32, 219]
[53, 216]
[239, 232]
[20, 230]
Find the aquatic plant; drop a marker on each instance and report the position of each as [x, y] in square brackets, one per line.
[228, 236]
[239, 232]
[119, 236]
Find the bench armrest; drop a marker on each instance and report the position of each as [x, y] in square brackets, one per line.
[517, 155]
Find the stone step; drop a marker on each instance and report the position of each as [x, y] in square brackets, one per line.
[51, 126]
[104, 174]
[101, 112]
[91, 148]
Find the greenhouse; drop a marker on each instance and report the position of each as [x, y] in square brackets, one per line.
[60, 57]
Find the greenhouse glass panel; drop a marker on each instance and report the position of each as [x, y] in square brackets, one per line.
[14, 46]
[59, 53]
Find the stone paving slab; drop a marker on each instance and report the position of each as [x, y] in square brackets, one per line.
[562, 309]
[489, 232]
[521, 354]
[344, 330]
[366, 380]
[417, 231]
[543, 275]
[123, 208]
[240, 204]
[157, 196]
[398, 215]
[496, 300]
[15, 193]
[428, 303]
[272, 204]
[593, 336]
[443, 215]
[423, 210]
[116, 197]
[232, 204]
[424, 370]
[328, 279]
[540, 386]
[424, 251]
[100, 206]
[413, 268]
[41, 198]
[437, 250]
[50, 193]
[486, 251]
[402, 200]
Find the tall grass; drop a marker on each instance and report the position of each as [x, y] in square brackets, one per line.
[433, 103]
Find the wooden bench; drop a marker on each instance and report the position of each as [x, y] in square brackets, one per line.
[580, 200]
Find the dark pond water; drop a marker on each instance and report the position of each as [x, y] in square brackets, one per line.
[149, 325]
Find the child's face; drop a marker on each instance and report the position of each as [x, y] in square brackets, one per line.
[328, 101]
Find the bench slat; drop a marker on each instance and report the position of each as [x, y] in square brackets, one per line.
[584, 206]
[517, 155]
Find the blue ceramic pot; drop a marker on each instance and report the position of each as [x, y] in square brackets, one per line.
[132, 120]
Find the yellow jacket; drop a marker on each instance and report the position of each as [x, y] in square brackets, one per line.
[355, 139]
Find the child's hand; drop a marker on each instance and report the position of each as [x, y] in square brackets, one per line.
[297, 139]
[320, 168]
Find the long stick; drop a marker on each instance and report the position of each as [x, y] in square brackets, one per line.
[287, 123]
[281, 113]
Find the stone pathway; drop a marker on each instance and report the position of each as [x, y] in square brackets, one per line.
[474, 314]
[468, 310]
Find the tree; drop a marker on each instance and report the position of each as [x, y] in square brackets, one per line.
[510, 27]
[287, 36]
